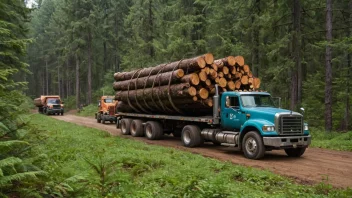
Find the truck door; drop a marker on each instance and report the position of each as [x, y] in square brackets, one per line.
[232, 116]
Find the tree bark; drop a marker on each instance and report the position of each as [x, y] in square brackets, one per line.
[328, 68]
[77, 83]
[157, 80]
[188, 65]
[89, 97]
[47, 77]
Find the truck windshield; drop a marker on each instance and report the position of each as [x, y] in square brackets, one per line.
[53, 101]
[108, 100]
[257, 101]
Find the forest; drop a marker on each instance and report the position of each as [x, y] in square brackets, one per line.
[300, 49]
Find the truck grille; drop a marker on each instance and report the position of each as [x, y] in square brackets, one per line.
[56, 106]
[290, 124]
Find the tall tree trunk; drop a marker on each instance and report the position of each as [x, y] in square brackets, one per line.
[67, 78]
[150, 24]
[345, 126]
[255, 41]
[47, 77]
[328, 68]
[58, 81]
[117, 66]
[89, 98]
[77, 83]
[296, 72]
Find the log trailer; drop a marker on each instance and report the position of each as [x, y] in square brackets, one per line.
[245, 120]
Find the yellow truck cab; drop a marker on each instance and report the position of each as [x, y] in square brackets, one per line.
[106, 109]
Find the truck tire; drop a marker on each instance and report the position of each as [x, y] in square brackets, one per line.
[153, 130]
[191, 136]
[98, 118]
[137, 128]
[103, 119]
[295, 152]
[125, 126]
[62, 113]
[253, 146]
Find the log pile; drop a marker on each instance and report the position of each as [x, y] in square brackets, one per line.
[182, 87]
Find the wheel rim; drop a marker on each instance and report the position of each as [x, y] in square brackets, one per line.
[148, 131]
[251, 146]
[123, 127]
[133, 128]
[186, 137]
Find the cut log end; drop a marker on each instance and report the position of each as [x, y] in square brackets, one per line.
[202, 76]
[225, 70]
[246, 69]
[203, 93]
[208, 102]
[231, 85]
[244, 80]
[201, 62]
[194, 79]
[195, 98]
[192, 91]
[231, 61]
[209, 58]
[239, 60]
[208, 82]
[180, 73]
[222, 82]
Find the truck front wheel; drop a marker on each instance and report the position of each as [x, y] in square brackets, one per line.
[98, 118]
[253, 146]
[295, 152]
[191, 136]
[137, 128]
[153, 130]
[125, 126]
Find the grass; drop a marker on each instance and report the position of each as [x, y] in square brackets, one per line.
[87, 162]
[88, 111]
[334, 140]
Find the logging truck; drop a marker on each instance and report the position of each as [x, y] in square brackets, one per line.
[49, 105]
[106, 110]
[248, 121]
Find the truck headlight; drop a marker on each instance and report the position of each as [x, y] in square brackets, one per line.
[306, 127]
[268, 128]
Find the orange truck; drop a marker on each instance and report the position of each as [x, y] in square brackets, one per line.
[106, 111]
[49, 104]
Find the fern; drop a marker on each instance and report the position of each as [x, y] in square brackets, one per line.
[10, 161]
[7, 180]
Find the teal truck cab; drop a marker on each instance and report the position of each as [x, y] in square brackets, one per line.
[248, 121]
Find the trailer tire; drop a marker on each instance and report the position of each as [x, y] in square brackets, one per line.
[191, 136]
[98, 118]
[153, 130]
[295, 152]
[137, 128]
[253, 146]
[125, 126]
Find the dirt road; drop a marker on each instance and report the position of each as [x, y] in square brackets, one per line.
[313, 167]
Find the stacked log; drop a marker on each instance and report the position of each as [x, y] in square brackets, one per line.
[182, 87]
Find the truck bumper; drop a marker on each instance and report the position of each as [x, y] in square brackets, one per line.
[109, 118]
[287, 142]
[50, 111]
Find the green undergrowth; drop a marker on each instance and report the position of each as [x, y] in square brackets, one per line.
[86, 162]
[88, 111]
[334, 140]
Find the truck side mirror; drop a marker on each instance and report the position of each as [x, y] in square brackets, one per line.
[227, 103]
[62, 102]
[302, 110]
